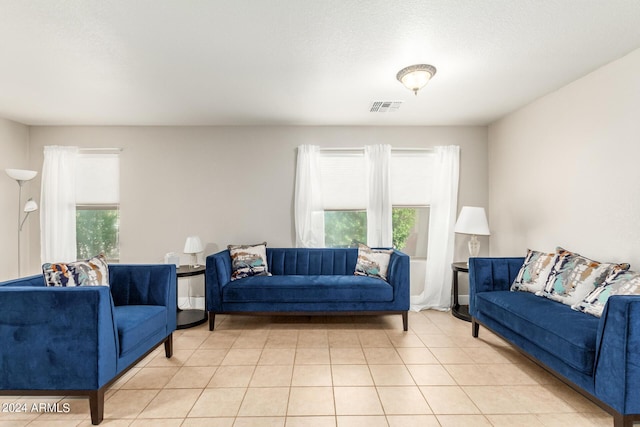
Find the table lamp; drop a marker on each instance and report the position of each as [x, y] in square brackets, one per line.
[472, 220]
[193, 246]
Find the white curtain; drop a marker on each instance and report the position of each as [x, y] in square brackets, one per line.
[444, 205]
[58, 205]
[308, 205]
[378, 166]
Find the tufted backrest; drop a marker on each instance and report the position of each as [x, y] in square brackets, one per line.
[142, 284]
[316, 261]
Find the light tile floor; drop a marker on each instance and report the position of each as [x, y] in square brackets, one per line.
[330, 372]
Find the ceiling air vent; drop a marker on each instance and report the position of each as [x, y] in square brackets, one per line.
[385, 106]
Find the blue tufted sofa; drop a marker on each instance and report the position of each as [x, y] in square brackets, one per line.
[599, 357]
[76, 341]
[307, 282]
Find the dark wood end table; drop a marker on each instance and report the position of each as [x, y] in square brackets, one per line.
[458, 310]
[191, 317]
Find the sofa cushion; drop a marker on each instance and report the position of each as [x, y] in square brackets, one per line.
[574, 276]
[372, 262]
[136, 323]
[618, 282]
[534, 271]
[92, 272]
[297, 288]
[248, 260]
[552, 326]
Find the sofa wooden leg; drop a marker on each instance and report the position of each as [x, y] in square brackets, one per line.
[620, 420]
[168, 346]
[475, 328]
[96, 406]
[405, 321]
[212, 320]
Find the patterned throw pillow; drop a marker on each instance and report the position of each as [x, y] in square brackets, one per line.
[573, 277]
[534, 272]
[92, 272]
[373, 262]
[618, 282]
[248, 260]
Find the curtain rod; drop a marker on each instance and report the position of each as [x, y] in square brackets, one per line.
[101, 149]
[425, 150]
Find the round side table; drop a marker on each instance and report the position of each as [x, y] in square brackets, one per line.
[459, 311]
[191, 317]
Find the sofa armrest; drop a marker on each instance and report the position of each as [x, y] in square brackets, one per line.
[145, 284]
[398, 276]
[56, 338]
[217, 274]
[491, 274]
[617, 367]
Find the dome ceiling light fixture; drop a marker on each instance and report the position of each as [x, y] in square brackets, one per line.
[415, 77]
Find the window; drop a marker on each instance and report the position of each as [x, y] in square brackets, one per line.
[343, 180]
[98, 205]
[345, 229]
[411, 230]
[411, 178]
[344, 198]
[97, 231]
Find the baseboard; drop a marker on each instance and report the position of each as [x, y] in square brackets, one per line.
[193, 302]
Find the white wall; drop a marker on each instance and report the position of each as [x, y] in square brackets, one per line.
[232, 185]
[565, 171]
[14, 154]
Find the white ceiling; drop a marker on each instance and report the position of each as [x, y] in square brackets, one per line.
[296, 62]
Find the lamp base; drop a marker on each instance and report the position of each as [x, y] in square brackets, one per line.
[474, 246]
[194, 261]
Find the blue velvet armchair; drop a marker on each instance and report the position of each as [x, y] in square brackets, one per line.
[76, 341]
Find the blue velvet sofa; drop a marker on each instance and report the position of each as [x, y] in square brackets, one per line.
[599, 357]
[307, 282]
[76, 341]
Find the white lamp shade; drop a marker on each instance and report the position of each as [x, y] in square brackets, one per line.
[472, 220]
[30, 206]
[21, 174]
[193, 245]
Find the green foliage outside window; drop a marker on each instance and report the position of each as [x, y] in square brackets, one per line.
[97, 232]
[403, 220]
[348, 228]
[345, 228]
